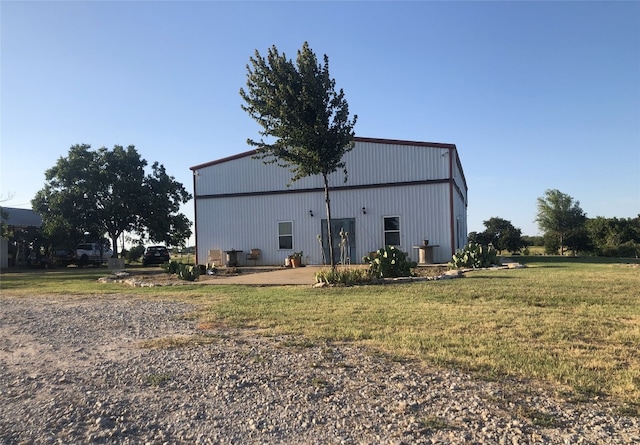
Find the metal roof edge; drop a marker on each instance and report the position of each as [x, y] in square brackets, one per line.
[223, 160]
[404, 142]
[355, 139]
[21, 217]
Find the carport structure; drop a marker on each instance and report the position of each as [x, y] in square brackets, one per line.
[20, 225]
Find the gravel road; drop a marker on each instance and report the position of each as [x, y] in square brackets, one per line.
[77, 371]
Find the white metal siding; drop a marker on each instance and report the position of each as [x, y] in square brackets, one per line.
[367, 163]
[244, 223]
[251, 221]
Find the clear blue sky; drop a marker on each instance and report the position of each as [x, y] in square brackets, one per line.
[536, 95]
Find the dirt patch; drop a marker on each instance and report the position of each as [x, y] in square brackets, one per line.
[150, 278]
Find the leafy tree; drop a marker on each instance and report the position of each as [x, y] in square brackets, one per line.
[501, 234]
[4, 228]
[165, 197]
[93, 192]
[305, 121]
[614, 236]
[64, 201]
[533, 240]
[579, 241]
[551, 243]
[560, 216]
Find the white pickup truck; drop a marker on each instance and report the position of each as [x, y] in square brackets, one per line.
[89, 253]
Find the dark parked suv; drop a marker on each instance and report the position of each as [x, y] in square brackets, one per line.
[155, 255]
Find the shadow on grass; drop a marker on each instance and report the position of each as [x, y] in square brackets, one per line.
[546, 265]
[523, 259]
[62, 274]
[498, 277]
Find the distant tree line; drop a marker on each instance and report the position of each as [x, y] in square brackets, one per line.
[566, 229]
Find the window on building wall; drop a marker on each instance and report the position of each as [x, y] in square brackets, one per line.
[285, 235]
[391, 230]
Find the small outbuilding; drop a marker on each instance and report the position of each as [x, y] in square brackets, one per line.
[14, 250]
[412, 195]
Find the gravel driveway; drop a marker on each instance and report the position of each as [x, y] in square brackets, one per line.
[79, 371]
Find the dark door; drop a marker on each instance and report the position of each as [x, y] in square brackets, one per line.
[344, 240]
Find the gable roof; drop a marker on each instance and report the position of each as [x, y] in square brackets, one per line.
[20, 217]
[451, 147]
[355, 139]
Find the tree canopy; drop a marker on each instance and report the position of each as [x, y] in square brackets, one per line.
[560, 217]
[90, 193]
[501, 234]
[305, 121]
[614, 236]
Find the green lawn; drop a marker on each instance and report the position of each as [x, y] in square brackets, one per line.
[573, 323]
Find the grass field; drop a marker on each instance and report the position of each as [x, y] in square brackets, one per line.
[571, 323]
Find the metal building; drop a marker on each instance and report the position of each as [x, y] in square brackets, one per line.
[404, 193]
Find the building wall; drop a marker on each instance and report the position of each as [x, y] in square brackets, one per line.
[4, 253]
[367, 163]
[247, 222]
[240, 201]
[460, 202]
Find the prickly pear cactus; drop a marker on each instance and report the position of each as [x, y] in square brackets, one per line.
[474, 256]
[390, 262]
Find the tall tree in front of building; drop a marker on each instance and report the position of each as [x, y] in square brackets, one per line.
[305, 122]
[91, 193]
[560, 217]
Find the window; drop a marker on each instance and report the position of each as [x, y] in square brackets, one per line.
[285, 235]
[391, 230]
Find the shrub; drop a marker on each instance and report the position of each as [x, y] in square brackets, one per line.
[343, 276]
[171, 267]
[389, 262]
[629, 249]
[134, 254]
[474, 256]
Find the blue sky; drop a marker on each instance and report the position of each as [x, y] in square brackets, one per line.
[536, 95]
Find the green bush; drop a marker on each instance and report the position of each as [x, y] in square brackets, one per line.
[629, 249]
[134, 254]
[171, 267]
[389, 262]
[343, 276]
[474, 256]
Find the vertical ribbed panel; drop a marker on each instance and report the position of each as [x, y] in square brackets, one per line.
[250, 222]
[247, 222]
[367, 163]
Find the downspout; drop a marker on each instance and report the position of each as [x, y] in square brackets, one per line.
[451, 208]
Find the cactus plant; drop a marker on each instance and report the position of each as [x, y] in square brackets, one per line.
[188, 273]
[474, 256]
[390, 262]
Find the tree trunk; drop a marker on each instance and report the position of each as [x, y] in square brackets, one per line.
[329, 232]
[114, 241]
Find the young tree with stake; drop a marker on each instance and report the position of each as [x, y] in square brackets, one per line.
[305, 121]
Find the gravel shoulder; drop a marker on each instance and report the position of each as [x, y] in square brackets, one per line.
[78, 371]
